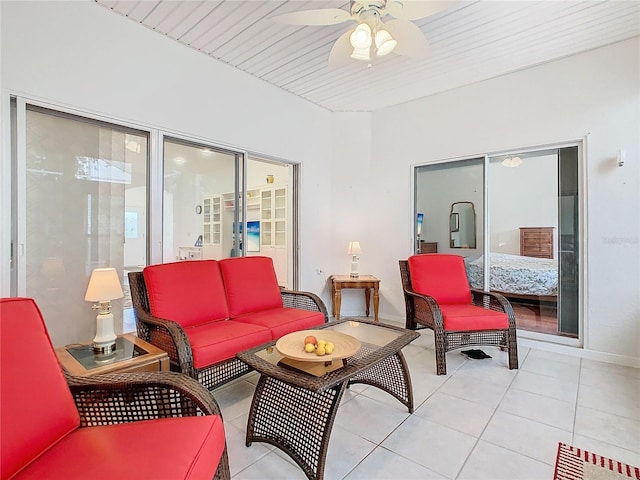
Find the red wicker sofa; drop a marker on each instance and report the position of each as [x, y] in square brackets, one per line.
[203, 312]
[129, 425]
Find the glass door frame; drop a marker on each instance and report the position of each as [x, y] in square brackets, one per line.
[16, 261]
[581, 143]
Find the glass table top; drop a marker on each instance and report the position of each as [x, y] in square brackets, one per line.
[125, 350]
[371, 337]
[378, 341]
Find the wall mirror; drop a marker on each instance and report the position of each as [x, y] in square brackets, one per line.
[462, 225]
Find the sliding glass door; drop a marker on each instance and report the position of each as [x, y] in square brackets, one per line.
[218, 204]
[82, 198]
[523, 233]
[200, 214]
[450, 207]
[81, 191]
[529, 248]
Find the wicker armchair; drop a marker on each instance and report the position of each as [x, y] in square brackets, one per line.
[170, 336]
[129, 425]
[450, 333]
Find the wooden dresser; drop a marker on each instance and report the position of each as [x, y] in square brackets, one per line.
[536, 242]
[428, 247]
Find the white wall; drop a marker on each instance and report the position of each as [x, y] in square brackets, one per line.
[594, 95]
[80, 55]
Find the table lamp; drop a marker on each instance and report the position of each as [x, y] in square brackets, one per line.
[354, 250]
[104, 286]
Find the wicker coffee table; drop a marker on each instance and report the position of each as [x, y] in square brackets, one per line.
[295, 410]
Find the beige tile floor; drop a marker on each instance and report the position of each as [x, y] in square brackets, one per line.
[480, 421]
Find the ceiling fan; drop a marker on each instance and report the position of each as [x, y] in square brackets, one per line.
[371, 36]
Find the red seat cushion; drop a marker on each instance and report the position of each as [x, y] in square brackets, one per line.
[37, 407]
[251, 284]
[441, 276]
[470, 317]
[217, 341]
[189, 293]
[175, 448]
[283, 320]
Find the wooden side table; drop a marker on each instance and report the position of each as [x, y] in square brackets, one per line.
[131, 355]
[367, 282]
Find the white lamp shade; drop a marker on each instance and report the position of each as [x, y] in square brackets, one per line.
[354, 248]
[104, 285]
[361, 54]
[385, 43]
[361, 37]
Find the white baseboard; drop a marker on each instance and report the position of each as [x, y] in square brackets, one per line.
[580, 352]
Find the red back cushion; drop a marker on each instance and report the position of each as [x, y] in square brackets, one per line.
[37, 406]
[440, 276]
[251, 284]
[189, 293]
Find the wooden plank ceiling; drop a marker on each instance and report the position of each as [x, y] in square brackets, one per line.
[470, 42]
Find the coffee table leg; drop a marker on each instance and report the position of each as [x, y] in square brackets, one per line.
[296, 420]
[392, 376]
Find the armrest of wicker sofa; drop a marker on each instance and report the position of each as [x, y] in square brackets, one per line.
[304, 301]
[126, 397]
[168, 336]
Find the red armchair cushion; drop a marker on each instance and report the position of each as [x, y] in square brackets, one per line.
[37, 407]
[440, 276]
[251, 284]
[283, 320]
[471, 317]
[189, 293]
[218, 341]
[176, 448]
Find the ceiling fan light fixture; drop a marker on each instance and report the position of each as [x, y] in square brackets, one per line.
[385, 43]
[361, 54]
[512, 161]
[361, 37]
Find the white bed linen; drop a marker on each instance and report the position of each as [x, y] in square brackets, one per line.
[515, 274]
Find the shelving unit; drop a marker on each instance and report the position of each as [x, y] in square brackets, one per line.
[252, 198]
[212, 220]
[268, 205]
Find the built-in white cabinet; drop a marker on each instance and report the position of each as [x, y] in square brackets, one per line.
[273, 228]
[268, 206]
[212, 220]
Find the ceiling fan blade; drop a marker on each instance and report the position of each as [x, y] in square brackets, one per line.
[411, 40]
[415, 9]
[323, 16]
[341, 51]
